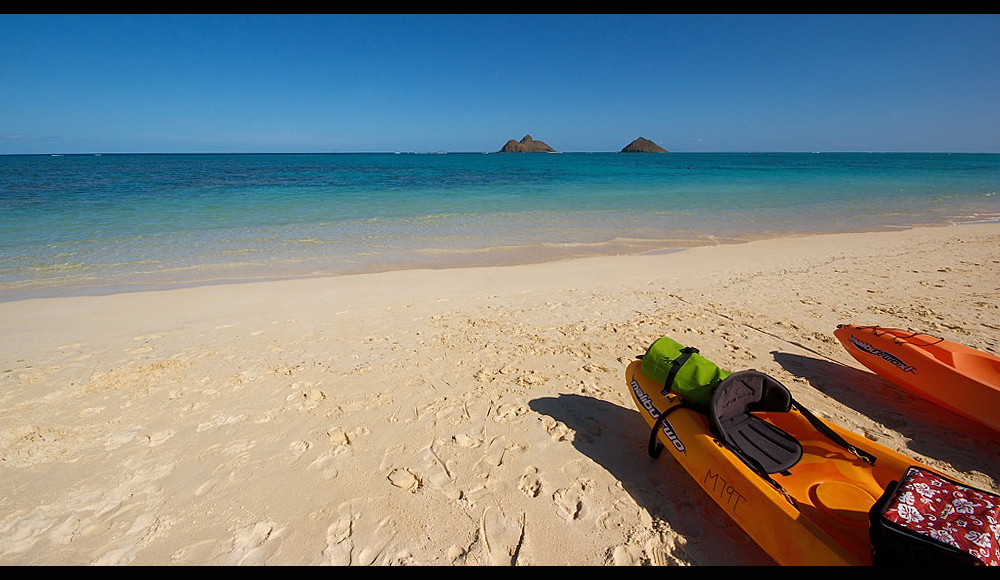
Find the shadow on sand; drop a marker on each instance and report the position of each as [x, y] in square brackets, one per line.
[667, 492]
[932, 431]
[660, 486]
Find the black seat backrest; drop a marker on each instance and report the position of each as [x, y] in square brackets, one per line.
[758, 443]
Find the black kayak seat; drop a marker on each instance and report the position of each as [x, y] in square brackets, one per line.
[758, 443]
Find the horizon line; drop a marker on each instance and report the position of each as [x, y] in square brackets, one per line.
[443, 152]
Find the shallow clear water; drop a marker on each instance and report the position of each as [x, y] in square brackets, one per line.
[96, 223]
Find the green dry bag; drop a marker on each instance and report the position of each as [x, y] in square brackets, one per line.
[682, 370]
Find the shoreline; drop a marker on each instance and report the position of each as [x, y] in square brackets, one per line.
[454, 416]
[138, 223]
[122, 287]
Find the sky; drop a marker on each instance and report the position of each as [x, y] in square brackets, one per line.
[354, 83]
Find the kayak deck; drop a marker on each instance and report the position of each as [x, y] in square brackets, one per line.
[832, 489]
[954, 376]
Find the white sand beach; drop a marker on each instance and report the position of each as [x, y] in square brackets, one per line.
[468, 416]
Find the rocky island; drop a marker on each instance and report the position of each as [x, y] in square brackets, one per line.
[526, 145]
[643, 145]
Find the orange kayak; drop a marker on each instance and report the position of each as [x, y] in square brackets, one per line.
[956, 377]
[812, 510]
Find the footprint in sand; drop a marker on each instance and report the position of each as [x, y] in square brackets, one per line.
[350, 527]
[325, 464]
[666, 549]
[557, 430]
[530, 484]
[200, 553]
[662, 549]
[404, 479]
[503, 536]
[384, 533]
[510, 411]
[439, 470]
[570, 500]
[468, 441]
[160, 437]
[341, 441]
[627, 555]
[254, 544]
[299, 447]
[653, 548]
[492, 458]
[218, 420]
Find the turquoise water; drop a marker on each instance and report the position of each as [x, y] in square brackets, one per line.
[96, 223]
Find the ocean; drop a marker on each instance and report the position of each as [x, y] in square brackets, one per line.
[86, 224]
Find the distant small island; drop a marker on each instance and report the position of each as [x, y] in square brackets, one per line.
[643, 145]
[529, 145]
[526, 145]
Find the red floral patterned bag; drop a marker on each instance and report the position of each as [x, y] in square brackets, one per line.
[930, 519]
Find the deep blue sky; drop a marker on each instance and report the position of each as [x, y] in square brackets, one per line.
[304, 83]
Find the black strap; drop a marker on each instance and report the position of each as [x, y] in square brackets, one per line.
[832, 435]
[655, 447]
[675, 366]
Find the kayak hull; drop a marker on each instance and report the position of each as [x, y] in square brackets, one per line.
[956, 377]
[833, 490]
